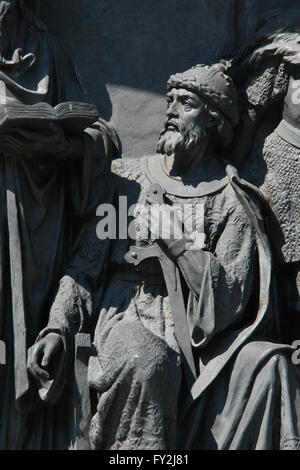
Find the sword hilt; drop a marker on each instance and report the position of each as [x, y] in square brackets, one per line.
[156, 193]
[136, 254]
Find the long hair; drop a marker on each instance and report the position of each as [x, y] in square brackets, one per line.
[223, 129]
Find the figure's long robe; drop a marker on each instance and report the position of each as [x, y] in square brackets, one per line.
[274, 167]
[243, 370]
[42, 202]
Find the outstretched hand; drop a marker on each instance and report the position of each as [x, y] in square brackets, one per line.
[162, 221]
[41, 354]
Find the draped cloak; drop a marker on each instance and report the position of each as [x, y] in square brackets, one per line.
[42, 202]
[246, 394]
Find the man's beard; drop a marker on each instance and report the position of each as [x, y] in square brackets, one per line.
[181, 140]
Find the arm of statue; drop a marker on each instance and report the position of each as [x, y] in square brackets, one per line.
[80, 288]
[75, 303]
[90, 176]
[220, 282]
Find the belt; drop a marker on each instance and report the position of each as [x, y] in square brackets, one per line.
[125, 273]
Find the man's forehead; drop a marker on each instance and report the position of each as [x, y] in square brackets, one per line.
[180, 92]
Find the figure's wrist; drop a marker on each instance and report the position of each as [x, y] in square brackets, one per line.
[51, 331]
[177, 247]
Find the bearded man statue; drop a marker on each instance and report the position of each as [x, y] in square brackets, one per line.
[185, 357]
[49, 182]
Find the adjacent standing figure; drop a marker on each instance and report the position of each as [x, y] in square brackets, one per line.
[271, 84]
[49, 182]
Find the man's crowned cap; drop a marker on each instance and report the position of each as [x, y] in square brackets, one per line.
[211, 83]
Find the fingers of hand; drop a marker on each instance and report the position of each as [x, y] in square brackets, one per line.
[35, 356]
[155, 220]
[50, 349]
[150, 199]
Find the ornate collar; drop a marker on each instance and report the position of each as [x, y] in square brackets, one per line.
[156, 172]
[289, 133]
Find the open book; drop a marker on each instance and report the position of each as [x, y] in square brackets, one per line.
[73, 117]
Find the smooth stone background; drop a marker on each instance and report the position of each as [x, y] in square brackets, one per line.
[127, 49]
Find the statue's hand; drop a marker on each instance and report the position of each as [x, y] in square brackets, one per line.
[41, 354]
[163, 223]
[25, 142]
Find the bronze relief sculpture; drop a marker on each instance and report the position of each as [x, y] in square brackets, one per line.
[183, 267]
[239, 366]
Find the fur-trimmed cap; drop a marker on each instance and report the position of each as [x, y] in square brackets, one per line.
[211, 83]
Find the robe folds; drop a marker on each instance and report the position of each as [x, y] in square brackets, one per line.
[42, 202]
[246, 393]
[274, 168]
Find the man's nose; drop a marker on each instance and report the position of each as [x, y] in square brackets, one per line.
[172, 110]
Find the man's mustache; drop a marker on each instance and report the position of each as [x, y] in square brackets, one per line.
[172, 125]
